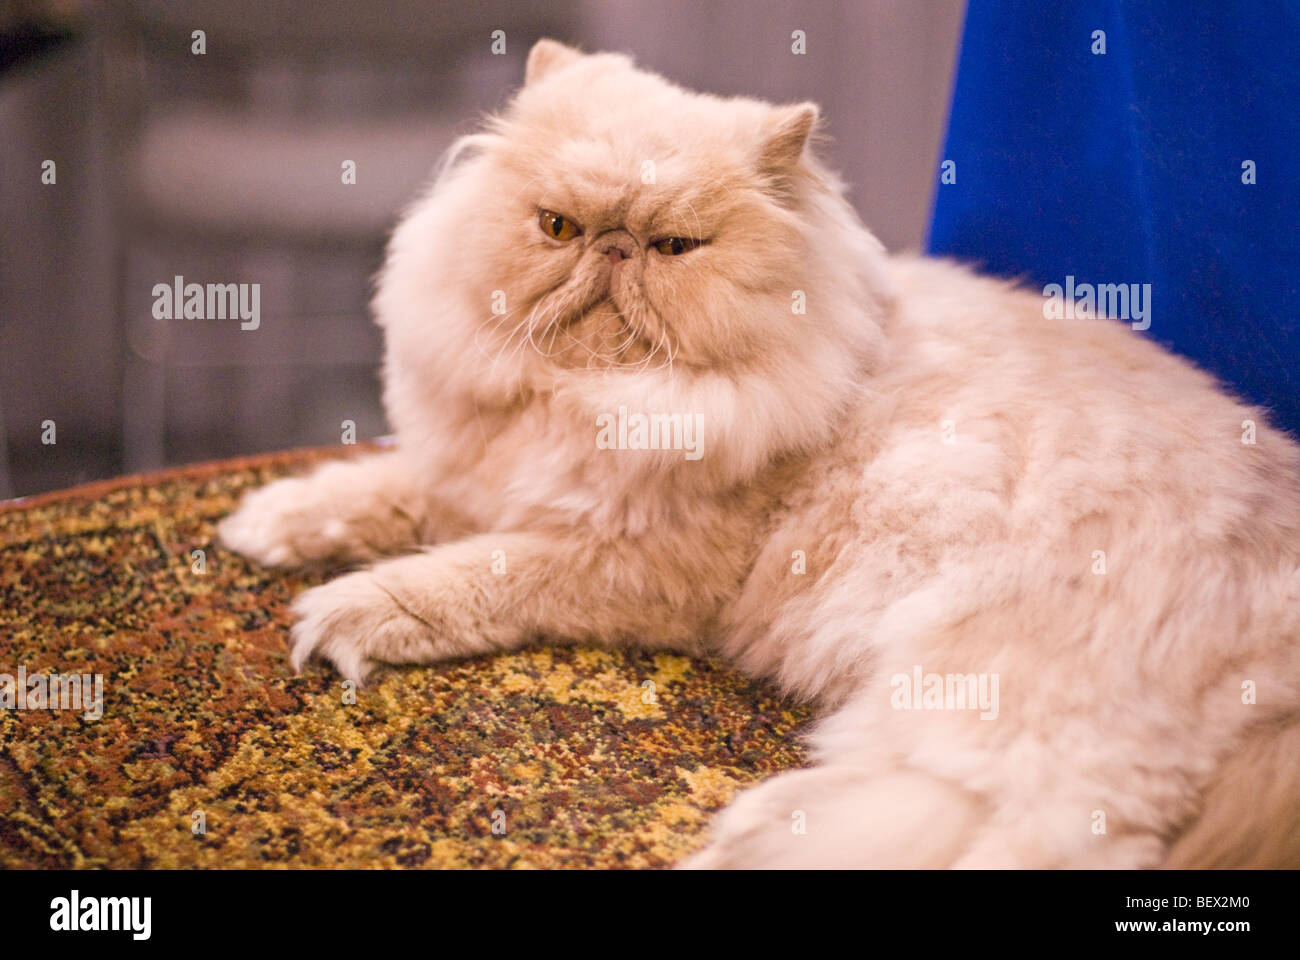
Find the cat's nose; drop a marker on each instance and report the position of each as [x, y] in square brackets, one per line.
[617, 246]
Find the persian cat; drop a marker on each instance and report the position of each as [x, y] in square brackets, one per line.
[654, 383]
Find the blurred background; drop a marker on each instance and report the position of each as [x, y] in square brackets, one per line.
[226, 167]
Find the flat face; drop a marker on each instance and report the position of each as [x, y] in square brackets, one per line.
[627, 220]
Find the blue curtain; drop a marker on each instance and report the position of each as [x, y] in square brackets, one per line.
[1127, 167]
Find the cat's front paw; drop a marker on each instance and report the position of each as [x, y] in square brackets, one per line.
[282, 525]
[356, 624]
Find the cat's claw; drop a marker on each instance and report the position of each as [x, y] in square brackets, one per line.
[351, 622]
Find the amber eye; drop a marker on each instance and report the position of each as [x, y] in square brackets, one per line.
[675, 246]
[557, 227]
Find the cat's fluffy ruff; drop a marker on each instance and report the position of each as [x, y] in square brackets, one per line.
[946, 461]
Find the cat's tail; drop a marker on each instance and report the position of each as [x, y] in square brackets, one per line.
[1250, 816]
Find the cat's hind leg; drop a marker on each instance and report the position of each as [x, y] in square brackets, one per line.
[843, 817]
[929, 790]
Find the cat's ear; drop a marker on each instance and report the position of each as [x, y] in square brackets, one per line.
[546, 56]
[785, 134]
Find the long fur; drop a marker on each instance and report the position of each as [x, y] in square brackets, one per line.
[904, 468]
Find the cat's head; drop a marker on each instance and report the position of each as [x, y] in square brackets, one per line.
[615, 240]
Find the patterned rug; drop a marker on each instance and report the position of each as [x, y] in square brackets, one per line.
[211, 753]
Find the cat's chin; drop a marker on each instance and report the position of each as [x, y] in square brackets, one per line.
[601, 337]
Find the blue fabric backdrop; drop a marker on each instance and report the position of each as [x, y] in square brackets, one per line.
[1126, 167]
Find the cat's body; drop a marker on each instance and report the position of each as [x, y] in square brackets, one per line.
[904, 470]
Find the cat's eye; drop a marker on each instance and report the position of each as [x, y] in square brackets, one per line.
[557, 226]
[675, 246]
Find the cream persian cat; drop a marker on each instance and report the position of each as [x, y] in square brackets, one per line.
[654, 383]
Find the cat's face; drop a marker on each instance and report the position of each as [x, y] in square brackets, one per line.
[624, 221]
[611, 239]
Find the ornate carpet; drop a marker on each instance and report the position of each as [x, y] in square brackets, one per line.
[210, 752]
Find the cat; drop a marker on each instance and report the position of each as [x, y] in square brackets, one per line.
[1046, 598]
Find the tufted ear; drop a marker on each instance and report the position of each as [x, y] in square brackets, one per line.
[547, 56]
[784, 136]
